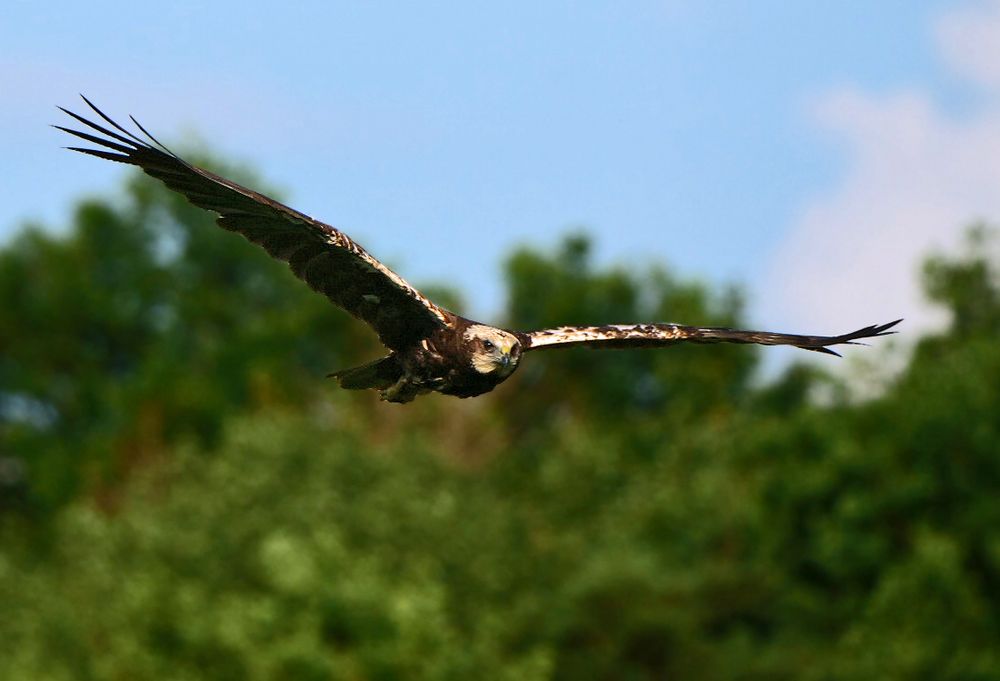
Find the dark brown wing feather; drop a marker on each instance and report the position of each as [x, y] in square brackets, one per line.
[660, 335]
[322, 256]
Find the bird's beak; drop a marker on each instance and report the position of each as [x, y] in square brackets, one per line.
[505, 359]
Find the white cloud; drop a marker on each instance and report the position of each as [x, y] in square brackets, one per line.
[916, 177]
[969, 40]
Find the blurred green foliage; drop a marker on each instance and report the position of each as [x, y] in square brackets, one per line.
[183, 496]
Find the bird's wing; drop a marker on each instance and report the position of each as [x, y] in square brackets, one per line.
[659, 335]
[322, 256]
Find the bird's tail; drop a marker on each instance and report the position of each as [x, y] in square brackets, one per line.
[380, 374]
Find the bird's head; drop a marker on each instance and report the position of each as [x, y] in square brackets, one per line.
[492, 351]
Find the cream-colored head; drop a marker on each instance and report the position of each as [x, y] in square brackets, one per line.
[492, 350]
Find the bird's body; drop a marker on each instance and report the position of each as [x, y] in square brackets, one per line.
[431, 348]
[452, 360]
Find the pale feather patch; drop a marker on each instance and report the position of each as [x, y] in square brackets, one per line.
[492, 362]
[335, 237]
[583, 334]
[502, 339]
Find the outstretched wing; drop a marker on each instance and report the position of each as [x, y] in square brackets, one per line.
[660, 335]
[322, 256]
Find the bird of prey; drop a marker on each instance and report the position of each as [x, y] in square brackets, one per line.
[430, 348]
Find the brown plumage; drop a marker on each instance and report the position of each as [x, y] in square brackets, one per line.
[432, 349]
[661, 335]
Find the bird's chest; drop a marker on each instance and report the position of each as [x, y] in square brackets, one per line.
[431, 363]
[426, 361]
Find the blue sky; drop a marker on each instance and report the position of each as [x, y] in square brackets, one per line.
[735, 141]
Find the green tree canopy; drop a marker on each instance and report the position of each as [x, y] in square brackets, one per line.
[141, 325]
[217, 511]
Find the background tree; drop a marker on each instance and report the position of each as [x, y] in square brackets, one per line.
[639, 515]
[144, 325]
[564, 289]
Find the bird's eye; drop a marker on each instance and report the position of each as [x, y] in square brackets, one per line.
[488, 345]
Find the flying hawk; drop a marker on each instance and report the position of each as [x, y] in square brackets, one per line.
[430, 348]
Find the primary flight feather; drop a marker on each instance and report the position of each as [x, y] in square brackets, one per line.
[431, 348]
